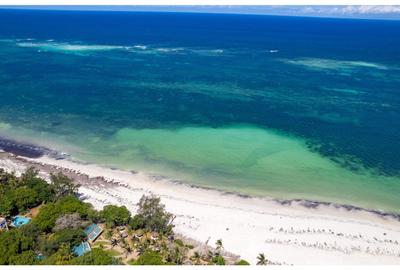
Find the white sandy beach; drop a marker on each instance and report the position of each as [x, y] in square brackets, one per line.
[247, 226]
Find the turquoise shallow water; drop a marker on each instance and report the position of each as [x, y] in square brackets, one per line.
[243, 159]
[267, 106]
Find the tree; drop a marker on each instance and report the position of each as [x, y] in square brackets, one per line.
[149, 257]
[47, 217]
[218, 260]
[127, 248]
[95, 257]
[72, 237]
[114, 215]
[49, 213]
[151, 215]
[8, 179]
[20, 194]
[25, 198]
[7, 206]
[31, 180]
[68, 221]
[175, 256]
[29, 175]
[219, 245]
[13, 243]
[242, 262]
[9, 246]
[25, 258]
[62, 185]
[63, 256]
[196, 257]
[114, 242]
[261, 260]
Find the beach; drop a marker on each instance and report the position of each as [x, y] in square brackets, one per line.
[275, 134]
[291, 232]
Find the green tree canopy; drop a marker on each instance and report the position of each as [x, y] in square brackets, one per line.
[14, 242]
[7, 205]
[49, 213]
[25, 258]
[20, 194]
[114, 215]
[72, 237]
[149, 257]
[25, 198]
[63, 256]
[151, 215]
[31, 180]
[62, 185]
[95, 257]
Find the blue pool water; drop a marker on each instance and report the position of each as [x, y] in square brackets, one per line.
[81, 249]
[19, 221]
[93, 231]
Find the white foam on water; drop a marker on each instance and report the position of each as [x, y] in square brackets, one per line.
[170, 49]
[54, 46]
[50, 45]
[142, 47]
[333, 65]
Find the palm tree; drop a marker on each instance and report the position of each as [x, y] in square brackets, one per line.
[114, 242]
[261, 260]
[219, 244]
[196, 257]
[178, 256]
[140, 249]
[128, 249]
[210, 254]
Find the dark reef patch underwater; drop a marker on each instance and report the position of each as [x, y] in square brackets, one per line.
[275, 106]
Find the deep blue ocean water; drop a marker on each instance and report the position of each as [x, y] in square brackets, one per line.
[237, 101]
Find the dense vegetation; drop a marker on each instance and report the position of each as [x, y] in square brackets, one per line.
[60, 217]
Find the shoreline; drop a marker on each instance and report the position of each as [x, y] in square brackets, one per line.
[287, 231]
[36, 152]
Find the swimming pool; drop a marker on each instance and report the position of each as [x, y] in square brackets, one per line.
[19, 221]
[81, 249]
[93, 231]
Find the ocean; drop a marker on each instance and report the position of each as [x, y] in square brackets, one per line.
[281, 107]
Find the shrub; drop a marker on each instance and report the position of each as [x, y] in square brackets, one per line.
[242, 262]
[95, 257]
[218, 260]
[179, 242]
[149, 258]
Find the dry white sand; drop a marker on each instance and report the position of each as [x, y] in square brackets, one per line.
[247, 226]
